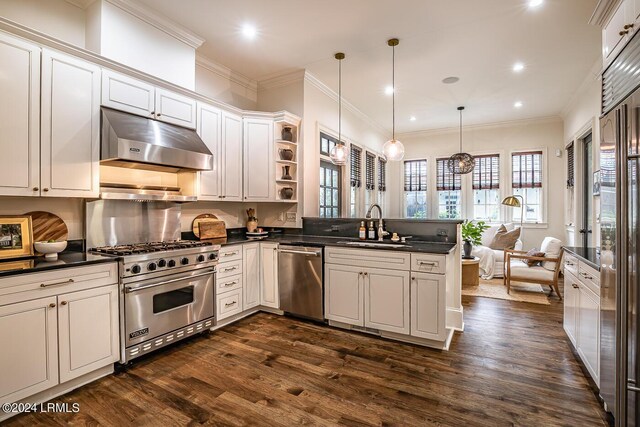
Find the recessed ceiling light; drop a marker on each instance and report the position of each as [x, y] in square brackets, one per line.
[412, 118]
[535, 3]
[518, 67]
[388, 90]
[518, 104]
[450, 80]
[249, 31]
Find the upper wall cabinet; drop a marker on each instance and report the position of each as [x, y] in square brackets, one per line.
[70, 130]
[135, 96]
[618, 28]
[19, 117]
[259, 184]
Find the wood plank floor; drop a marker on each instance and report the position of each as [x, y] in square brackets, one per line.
[511, 366]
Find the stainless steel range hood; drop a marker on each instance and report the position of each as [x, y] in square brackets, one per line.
[137, 142]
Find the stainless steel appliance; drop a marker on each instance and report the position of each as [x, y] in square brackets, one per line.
[300, 281]
[620, 237]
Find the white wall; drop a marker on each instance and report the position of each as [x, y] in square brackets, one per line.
[502, 139]
[56, 18]
[71, 211]
[213, 83]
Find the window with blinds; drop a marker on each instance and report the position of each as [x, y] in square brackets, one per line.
[370, 166]
[356, 166]
[415, 175]
[486, 173]
[526, 169]
[446, 180]
[570, 166]
[327, 143]
[382, 174]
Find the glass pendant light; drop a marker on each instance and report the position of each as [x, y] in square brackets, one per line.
[339, 153]
[393, 149]
[461, 163]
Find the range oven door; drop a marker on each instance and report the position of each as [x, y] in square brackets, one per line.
[157, 306]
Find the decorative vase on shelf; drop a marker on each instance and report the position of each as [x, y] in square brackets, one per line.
[467, 249]
[285, 173]
[287, 135]
[286, 154]
[286, 193]
[252, 221]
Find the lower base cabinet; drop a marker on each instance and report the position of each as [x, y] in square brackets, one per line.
[428, 292]
[269, 296]
[251, 272]
[344, 294]
[386, 300]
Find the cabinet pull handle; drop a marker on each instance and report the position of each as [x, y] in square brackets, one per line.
[622, 33]
[45, 189]
[366, 274]
[575, 286]
[35, 188]
[230, 284]
[159, 114]
[413, 278]
[229, 253]
[153, 112]
[46, 285]
[431, 263]
[230, 269]
[627, 26]
[229, 304]
[52, 305]
[63, 303]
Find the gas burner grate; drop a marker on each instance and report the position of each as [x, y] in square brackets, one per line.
[143, 248]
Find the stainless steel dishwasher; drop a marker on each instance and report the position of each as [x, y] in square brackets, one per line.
[300, 281]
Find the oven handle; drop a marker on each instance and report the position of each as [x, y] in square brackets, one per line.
[129, 289]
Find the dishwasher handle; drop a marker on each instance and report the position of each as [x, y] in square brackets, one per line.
[290, 251]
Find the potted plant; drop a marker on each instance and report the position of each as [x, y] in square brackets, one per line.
[472, 234]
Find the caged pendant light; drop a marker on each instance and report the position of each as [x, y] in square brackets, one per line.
[339, 153]
[393, 149]
[461, 163]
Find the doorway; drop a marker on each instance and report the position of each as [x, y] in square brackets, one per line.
[586, 231]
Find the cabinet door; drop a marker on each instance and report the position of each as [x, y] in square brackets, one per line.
[124, 93]
[259, 169]
[386, 300]
[29, 356]
[636, 12]
[588, 332]
[428, 306]
[209, 119]
[19, 117]
[231, 157]
[70, 128]
[175, 109]
[570, 305]
[251, 260]
[344, 294]
[269, 296]
[612, 40]
[89, 335]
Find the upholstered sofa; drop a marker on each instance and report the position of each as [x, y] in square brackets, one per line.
[492, 261]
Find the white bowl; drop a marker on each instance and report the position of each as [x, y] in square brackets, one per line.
[50, 249]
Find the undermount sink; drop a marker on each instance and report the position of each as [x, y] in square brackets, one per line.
[375, 244]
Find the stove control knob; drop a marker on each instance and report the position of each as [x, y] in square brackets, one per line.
[200, 258]
[184, 261]
[212, 257]
[162, 263]
[172, 263]
[136, 269]
[152, 266]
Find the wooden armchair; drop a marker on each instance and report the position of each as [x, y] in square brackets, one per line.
[517, 270]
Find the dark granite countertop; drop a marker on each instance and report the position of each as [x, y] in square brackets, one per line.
[321, 241]
[38, 264]
[589, 256]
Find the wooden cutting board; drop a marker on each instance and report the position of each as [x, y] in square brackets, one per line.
[48, 226]
[208, 226]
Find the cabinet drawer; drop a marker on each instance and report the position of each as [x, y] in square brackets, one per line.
[428, 263]
[231, 268]
[589, 276]
[381, 258]
[229, 303]
[570, 264]
[227, 284]
[230, 254]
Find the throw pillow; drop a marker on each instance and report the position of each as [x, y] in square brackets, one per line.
[533, 252]
[552, 248]
[505, 239]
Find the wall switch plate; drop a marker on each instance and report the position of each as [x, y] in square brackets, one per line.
[442, 232]
[291, 216]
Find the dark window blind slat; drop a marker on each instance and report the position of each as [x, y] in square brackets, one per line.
[382, 174]
[356, 167]
[446, 180]
[370, 171]
[527, 169]
[570, 166]
[415, 175]
[486, 172]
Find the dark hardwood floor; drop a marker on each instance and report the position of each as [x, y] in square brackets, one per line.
[511, 366]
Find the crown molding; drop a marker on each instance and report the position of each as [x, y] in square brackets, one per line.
[493, 125]
[159, 21]
[603, 10]
[281, 79]
[226, 73]
[314, 81]
[82, 4]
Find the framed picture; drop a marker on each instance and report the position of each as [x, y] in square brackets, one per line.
[596, 183]
[15, 237]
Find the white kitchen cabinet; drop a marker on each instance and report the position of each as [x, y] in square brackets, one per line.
[88, 330]
[19, 117]
[344, 294]
[571, 293]
[209, 121]
[251, 273]
[175, 108]
[428, 296]
[613, 33]
[229, 304]
[29, 356]
[70, 126]
[588, 330]
[259, 169]
[386, 300]
[269, 296]
[125, 93]
[231, 157]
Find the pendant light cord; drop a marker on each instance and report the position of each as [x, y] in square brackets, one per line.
[461, 131]
[340, 102]
[393, 94]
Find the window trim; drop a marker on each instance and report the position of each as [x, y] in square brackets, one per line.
[544, 177]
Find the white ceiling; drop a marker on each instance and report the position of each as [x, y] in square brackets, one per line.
[476, 40]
